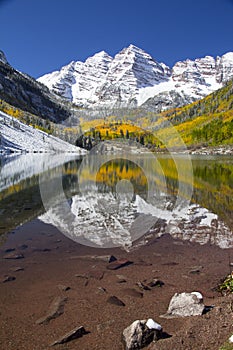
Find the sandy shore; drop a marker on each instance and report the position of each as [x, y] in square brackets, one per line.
[53, 266]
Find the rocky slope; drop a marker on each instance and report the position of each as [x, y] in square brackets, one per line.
[24, 92]
[16, 137]
[133, 78]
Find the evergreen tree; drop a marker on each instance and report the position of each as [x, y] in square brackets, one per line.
[89, 143]
[141, 140]
[79, 141]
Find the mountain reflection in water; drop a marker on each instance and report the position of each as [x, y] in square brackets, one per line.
[116, 201]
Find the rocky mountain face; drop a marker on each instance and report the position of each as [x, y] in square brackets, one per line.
[24, 92]
[133, 78]
[3, 57]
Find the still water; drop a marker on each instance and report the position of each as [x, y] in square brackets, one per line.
[120, 200]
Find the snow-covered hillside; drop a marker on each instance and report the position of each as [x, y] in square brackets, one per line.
[133, 76]
[18, 137]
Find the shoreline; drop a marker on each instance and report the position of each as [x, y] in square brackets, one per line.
[52, 260]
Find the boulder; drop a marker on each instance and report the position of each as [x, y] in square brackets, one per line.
[141, 333]
[185, 304]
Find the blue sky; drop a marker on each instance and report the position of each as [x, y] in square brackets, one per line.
[40, 36]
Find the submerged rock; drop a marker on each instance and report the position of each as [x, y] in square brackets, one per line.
[63, 288]
[74, 334]
[185, 304]
[9, 250]
[105, 258]
[142, 286]
[132, 292]
[115, 301]
[195, 270]
[13, 256]
[155, 283]
[17, 269]
[23, 247]
[118, 264]
[96, 274]
[108, 258]
[121, 279]
[8, 279]
[56, 309]
[141, 333]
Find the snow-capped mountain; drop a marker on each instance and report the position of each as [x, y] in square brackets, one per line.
[133, 78]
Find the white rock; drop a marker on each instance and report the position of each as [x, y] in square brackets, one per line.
[185, 304]
[231, 339]
[151, 324]
[138, 334]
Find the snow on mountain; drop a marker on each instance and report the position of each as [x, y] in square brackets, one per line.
[77, 80]
[224, 67]
[18, 137]
[133, 76]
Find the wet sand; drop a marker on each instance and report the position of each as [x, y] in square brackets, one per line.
[52, 261]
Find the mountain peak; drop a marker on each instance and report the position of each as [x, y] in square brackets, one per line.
[101, 54]
[228, 56]
[98, 57]
[134, 48]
